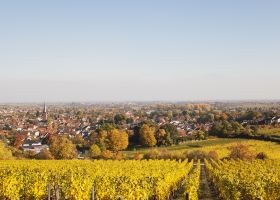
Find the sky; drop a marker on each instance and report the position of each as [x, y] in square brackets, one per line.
[148, 50]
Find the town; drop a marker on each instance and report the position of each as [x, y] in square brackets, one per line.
[28, 128]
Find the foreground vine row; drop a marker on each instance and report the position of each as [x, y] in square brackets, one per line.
[192, 183]
[75, 179]
[245, 180]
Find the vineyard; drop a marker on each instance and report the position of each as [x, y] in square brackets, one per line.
[78, 180]
[131, 179]
[245, 180]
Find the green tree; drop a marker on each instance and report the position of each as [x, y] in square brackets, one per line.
[106, 127]
[163, 138]
[119, 119]
[200, 135]
[171, 130]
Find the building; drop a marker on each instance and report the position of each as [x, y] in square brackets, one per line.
[45, 113]
[33, 145]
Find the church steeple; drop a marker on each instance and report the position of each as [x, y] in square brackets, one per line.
[45, 108]
[45, 112]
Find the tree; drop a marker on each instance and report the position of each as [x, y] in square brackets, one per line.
[200, 135]
[135, 137]
[117, 140]
[224, 116]
[163, 138]
[78, 140]
[62, 148]
[119, 119]
[94, 151]
[101, 139]
[129, 120]
[206, 117]
[18, 141]
[147, 136]
[5, 154]
[106, 127]
[171, 130]
[227, 129]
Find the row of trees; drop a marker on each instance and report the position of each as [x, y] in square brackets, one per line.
[149, 134]
[231, 129]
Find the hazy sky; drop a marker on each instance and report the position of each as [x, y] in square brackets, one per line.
[63, 50]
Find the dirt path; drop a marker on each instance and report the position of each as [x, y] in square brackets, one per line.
[206, 191]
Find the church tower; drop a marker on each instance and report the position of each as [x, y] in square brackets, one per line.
[45, 113]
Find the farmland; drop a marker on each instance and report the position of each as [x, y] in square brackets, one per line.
[220, 145]
[147, 179]
[245, 180]
[80, 180]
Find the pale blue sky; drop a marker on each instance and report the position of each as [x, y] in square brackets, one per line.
[63, 50]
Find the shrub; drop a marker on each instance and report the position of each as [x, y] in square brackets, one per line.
[262, 156]
[177, 155]
[213, 155]
[242, 152]
[165, 154]
[197, 155]
[119, 156]
[138, 156]
[107, 155]
[152, 154]
[29, 154]
[45, 154]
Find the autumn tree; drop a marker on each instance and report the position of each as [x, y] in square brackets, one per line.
[94, 151]
[62, 148]
[101, 139]
[18, 140]
[78, 140]
[147, 136]
[5, 154]
[117, 140]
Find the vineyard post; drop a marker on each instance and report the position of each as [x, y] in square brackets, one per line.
[49, 191]
[92, 193]
[187, 196]
[57, 192]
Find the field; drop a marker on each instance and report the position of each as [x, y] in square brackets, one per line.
[270, 132]
[245, 180]
[79, 180]
[148, 179]
[266, 130]
[220, 145]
